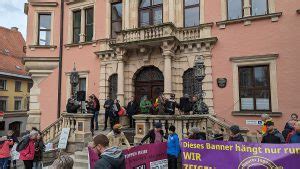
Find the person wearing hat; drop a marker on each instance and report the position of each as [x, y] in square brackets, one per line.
[235, 134]
[116, 137]
[111, 157]
[155, 135]
[272, 135]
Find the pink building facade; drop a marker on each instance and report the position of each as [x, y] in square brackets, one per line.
[253, 45]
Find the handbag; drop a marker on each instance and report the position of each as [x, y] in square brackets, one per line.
[121, 111]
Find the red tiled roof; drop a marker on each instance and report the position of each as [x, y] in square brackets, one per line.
[11, 51]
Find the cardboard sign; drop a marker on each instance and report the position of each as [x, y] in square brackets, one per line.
[63, 139]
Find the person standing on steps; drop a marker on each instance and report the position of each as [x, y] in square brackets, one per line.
[131, 109]
[96, 111]
[272, 135]
[111, 157]
[155, 135]
[116, 137]
[107, 106]
[114, 116]
[145, 105]
[173, 148]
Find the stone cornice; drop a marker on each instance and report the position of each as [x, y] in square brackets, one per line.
[249, 18]
[254, 113]
[253, 58]
[71, 2]
[15, 114]
[42, 4]
[80, 44]
[79, 72]
[43, 46]
[40, 59]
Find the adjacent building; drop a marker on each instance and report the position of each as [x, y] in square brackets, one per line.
[125, 48]
[15, 83]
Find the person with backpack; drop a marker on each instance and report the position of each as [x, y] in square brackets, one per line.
[27, 149]
[39, 148]
[5, 151]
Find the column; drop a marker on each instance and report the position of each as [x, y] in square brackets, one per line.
[168, 52]
[39, 69]
[120, 70]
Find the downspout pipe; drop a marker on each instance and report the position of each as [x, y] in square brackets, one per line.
[61, 41]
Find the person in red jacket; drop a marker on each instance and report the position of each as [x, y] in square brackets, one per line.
[27, 154]
[5, 151]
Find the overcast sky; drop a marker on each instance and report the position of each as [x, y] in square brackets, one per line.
[12, 15]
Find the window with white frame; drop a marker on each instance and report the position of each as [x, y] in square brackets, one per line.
[3, 84]
[150, 12]
[76, 26]
[18, 86]
[234, 9]
[44, 29]
[3, 103]
[191, 13]
[116, 18]
[254, 88]
[89, 24]
[87, 29]
[18, 104]
[259, 7]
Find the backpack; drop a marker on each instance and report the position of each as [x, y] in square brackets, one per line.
[23, 144]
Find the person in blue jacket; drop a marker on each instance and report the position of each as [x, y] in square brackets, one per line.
[173, 149]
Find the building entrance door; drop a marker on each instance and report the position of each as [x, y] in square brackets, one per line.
[149, 81]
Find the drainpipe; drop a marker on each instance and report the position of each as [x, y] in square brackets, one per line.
[61, 35]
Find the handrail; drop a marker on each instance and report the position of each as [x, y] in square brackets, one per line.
[51, 125]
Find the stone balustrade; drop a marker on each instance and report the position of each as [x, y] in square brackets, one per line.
[80, 133]
[164, 31]
[207, 123]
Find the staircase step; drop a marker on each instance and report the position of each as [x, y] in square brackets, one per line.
[81, 155]
[81, 164]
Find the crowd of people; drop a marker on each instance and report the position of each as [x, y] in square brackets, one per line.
[30, 150]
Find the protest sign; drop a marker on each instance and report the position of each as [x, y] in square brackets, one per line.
[63, 139]
[149, 156]
[240, 155]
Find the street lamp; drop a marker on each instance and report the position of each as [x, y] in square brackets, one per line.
[199, 72]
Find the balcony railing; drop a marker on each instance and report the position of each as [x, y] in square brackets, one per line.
[162, 31]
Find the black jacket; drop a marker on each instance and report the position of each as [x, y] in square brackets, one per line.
[39, 148]
[97, 107]
[151, 136]
[198, 136]
[185, 105]
[132, 108]
[275, 137]
[238, 138]
[114, 113]
[170, 106]
[109, 103]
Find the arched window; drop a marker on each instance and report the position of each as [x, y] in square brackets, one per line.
[150, 12]
[190, 84]
[113, 86]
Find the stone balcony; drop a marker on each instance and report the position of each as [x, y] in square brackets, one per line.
[153, 35]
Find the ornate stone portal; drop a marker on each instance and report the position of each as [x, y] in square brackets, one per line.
[165, 47]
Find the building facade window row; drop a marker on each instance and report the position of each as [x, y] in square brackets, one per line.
[150, 13]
